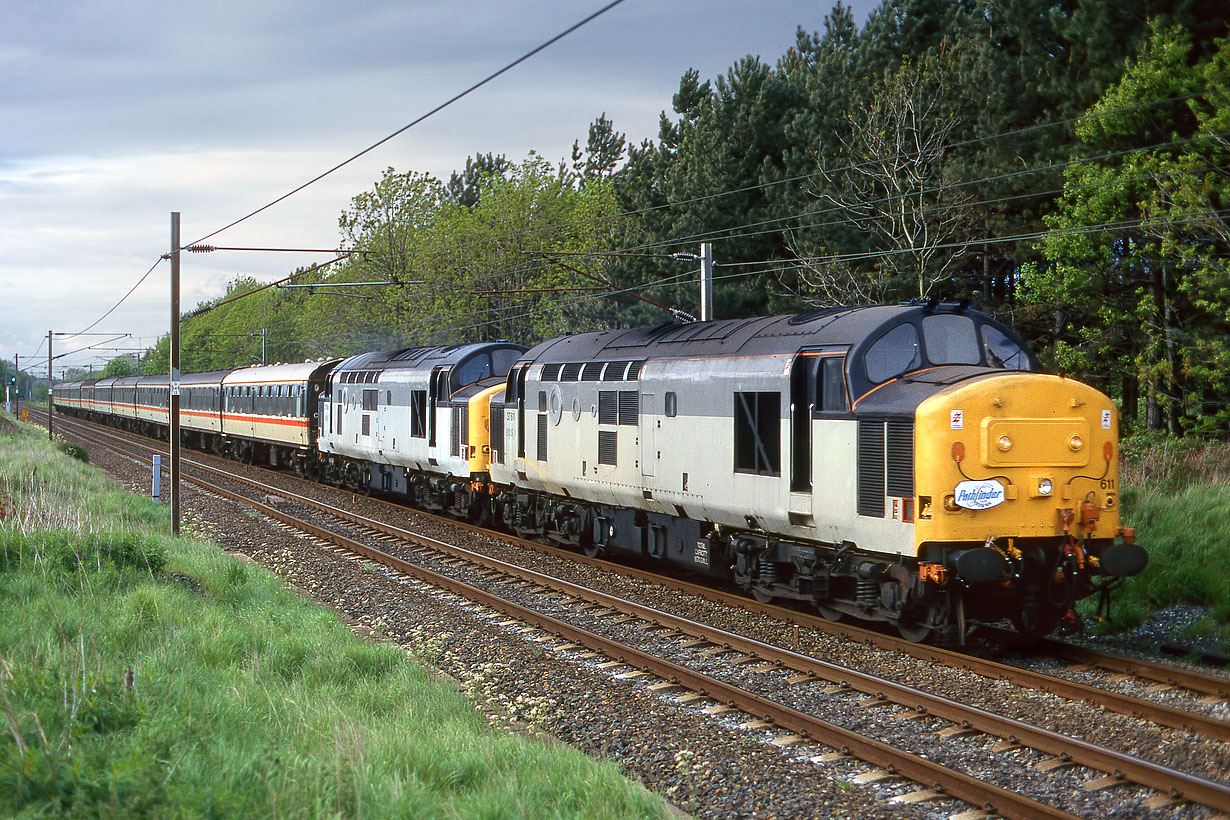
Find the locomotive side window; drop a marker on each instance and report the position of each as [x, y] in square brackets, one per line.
[1002, 351]
[832, 385]
[951, 339]
[895, 352]
[758, 445]
[672, 405]
[418, 414]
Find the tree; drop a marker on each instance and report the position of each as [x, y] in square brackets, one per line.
[118, 367]
[465, 187]
[1136, 257]
[604, 150]
[890, 181]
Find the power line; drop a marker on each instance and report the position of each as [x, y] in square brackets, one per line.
[436, 110]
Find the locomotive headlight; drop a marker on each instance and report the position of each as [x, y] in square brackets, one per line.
[1075, 444]
[1044, 486]
[1004, 444]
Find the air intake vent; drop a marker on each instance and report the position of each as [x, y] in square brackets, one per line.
[634, 371]
[628, 406]
[615, 371]
[542, 436]
[606, 446]
[570, 372]
[592, 371]
[550, 372]
[871, 468]
[900, 458]
[608, 407]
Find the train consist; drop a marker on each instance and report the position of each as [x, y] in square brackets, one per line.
[906, 463]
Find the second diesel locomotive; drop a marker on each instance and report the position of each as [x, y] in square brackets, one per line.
[906, 464]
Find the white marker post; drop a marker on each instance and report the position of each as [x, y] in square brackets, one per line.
[157, 476]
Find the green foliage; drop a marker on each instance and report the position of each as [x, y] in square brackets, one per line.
[1184, 532]
[74, 450]
[1143, 310]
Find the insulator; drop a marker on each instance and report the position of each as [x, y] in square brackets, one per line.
[200, 248]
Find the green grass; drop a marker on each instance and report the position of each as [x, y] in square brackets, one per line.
[145, 676]
[1177, 495]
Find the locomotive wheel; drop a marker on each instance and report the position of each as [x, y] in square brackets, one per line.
[761, 594]
[830, 614]
[917, 627]
[592, 550]
[1035, 624]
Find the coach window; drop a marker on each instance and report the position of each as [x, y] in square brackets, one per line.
[894, 353]
[672, 405]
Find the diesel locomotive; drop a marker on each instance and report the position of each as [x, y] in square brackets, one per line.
[906, 464]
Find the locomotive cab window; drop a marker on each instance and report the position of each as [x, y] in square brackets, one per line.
[894, 353]
[832, 385]
[1002, 351]
[951, 339]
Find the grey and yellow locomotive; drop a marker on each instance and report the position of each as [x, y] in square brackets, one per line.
[898, 463]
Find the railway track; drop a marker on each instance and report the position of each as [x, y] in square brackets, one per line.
[800, 672]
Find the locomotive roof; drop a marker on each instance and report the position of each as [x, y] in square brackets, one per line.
[419, 358]
[843, 326]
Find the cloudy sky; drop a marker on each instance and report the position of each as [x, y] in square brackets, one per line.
[116, 112]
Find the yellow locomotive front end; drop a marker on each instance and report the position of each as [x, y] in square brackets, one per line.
[1018, 487]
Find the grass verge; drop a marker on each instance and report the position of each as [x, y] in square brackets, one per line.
[145, 676]
[1176, 492]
